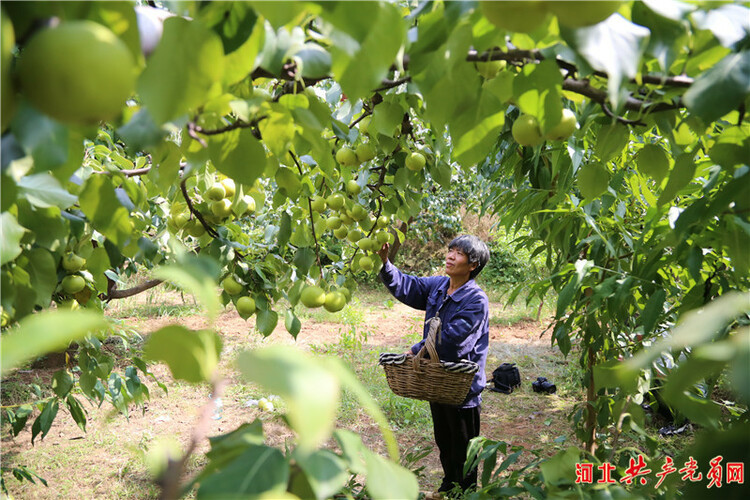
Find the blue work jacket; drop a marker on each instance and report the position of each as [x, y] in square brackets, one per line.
[464, 316]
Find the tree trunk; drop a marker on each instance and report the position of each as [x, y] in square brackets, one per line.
[590, 443]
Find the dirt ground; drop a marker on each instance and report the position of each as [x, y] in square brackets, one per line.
[108, 460]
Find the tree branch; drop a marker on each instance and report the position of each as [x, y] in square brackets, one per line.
[170, 480]
[312, 219]
[389, 84]
[129, 292]
[210, 230]
[232, 126]
[599, 96]
[519, 55]
[583, 86]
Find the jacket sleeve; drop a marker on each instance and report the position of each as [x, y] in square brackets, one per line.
[408, 289]
[460, 332]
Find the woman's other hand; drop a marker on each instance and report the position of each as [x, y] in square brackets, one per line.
[383, 252]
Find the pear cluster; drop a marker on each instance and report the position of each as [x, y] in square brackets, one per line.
[221, 201]
[239, 293]
[349, 220]
[313, 296]
[73, 283]
[526, 130]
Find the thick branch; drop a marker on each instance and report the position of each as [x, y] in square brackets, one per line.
[232, 126]
[518, 55]
[129, 292]
[599, 96]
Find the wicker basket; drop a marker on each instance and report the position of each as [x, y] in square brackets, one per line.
[426, 379]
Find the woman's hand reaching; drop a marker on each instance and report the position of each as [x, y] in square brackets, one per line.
[383, 252]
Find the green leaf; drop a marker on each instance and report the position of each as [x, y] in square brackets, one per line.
[652, 160]
[386, 117]
[476, 130]
[282, 12]
[739, 373]
[101, 206]
[43, 191]
[314, 61]
[737, 242]
[8, 192]
[196, 276]
[43, 272]
[352, 450]
[680, 176]
[614, 46]
[240, 62]
[566, 296]
[259, 470]
[607, 374]
[238, 154]
[278, 130]
[310, 391]
[537, 92]
[675, 391]
[304, 258]
[559, 468]
[44, 421]
[43, 138]
[695, 327]
[62, 383]
[448, 82]
[266, 321]
[191, 355]
[721, 88]
[611, 140]
[46, 332]
[732, 147]
[10, 246]
[76, 411]
[666, 33]
[501, 86]
[167, 157]
[654, 308]
[184, 71]
[141, 132]
[562, 337]
[97, 264]
[351, 383]
[729, 23]
[387, 480]
[324, 471]
[292, 323]
[441, 172]
[373, 33]
[49, 228]
[19, 418]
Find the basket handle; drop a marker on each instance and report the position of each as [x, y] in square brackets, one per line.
[429, 345]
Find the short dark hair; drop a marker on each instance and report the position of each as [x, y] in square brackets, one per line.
[475, 249]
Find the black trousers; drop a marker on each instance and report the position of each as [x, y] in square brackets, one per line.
[454, 428]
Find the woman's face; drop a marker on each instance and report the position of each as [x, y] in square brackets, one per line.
[457, 264]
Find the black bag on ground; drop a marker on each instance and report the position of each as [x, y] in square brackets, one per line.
[506, 378]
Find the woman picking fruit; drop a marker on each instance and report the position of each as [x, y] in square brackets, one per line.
[463, 309]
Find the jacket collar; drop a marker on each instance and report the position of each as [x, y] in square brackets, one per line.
[464, 291]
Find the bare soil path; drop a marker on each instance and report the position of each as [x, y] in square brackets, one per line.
[108, 461]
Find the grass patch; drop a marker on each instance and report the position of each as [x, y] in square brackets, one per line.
[155, 310]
